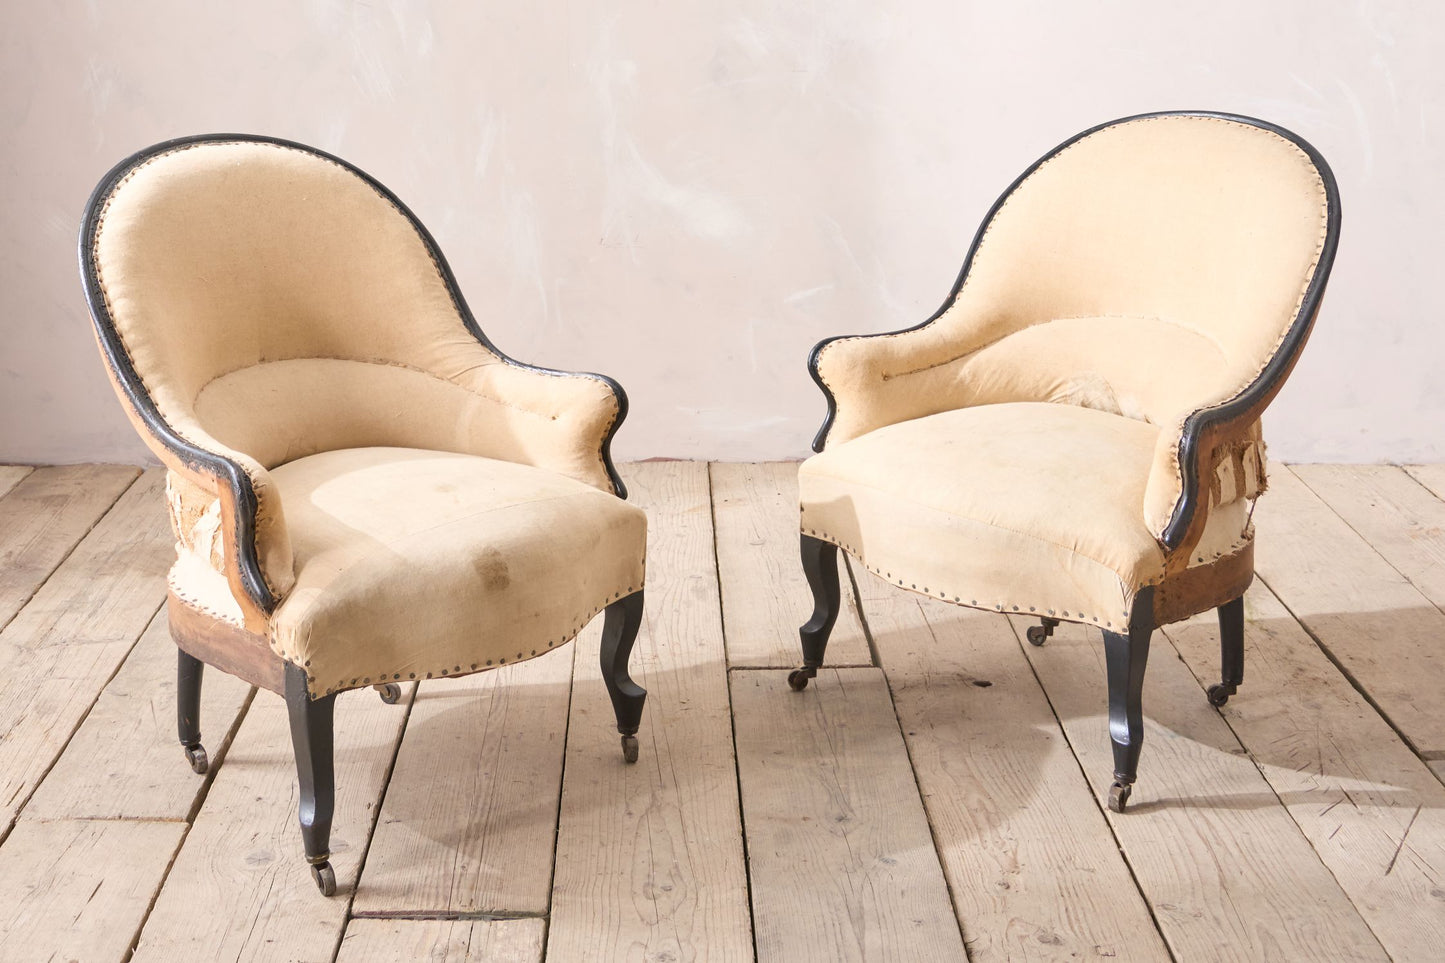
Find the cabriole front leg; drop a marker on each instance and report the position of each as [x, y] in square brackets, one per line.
[820, 565]
[1231, 652]
[619, 631]
[312, 741]
[189, 670]
[1126, 656]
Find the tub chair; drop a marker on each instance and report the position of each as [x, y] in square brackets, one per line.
[1074, 436]
[364, 490]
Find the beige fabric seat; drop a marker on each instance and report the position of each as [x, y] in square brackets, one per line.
[431, 563]
[1075, 434]
[1017, 507]
[364, 490]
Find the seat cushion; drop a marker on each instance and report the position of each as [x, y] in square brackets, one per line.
[1019, 507]
[412, 564]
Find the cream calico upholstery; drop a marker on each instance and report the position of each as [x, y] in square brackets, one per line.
[1025, 507]
[1025, 450]
[356, 473]
[1075, 435]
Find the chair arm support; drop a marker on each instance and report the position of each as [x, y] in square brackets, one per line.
[566, 419]
[257, 559]
[874, 380]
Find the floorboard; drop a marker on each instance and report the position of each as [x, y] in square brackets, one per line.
[240, 888]
[471, 810]
[1400, 518]
[1214, 851]
[839, 853]
[1033, 867]
[125, 761]
[443, 941]
[78, 889]
[10, 476]
[947, 798]
[1357, 605]
[44, 516]
[650, 856]
[1368, 805]
[67, 642]
[764, 593]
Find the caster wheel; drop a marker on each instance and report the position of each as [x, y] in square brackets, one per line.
[325, 878]
[196, 756]
[798, 678]
[1119, 796]
[390, 693]
[1036, 634]
[1219, 693]
[629, 748]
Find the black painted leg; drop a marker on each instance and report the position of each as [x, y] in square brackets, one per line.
[1038, 634]
[311, 739]
[619, 631]
[188, 709]
[1231, 652]
[820, 565]
[1126, 657]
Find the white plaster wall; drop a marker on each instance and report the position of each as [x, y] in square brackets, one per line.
[688, 195]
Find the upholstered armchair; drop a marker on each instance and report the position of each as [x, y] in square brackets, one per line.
[364, 490]
[1075, 435]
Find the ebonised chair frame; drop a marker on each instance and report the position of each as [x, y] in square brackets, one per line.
[240, 650]
[1220, 585]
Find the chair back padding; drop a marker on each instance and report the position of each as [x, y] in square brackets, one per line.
[1163, 258]
[280, 302]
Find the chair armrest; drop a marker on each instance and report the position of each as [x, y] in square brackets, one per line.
[256, 557]
[875, 380]
[565, 420]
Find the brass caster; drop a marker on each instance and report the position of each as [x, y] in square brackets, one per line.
[1219, 693]
[1038, 634]
[629, 748]
[325, 877]
[196, 756]
[390, 693]
[798, 678]
[1119, 796]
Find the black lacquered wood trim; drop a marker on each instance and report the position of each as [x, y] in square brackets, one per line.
[1256, 393]
[208, 462]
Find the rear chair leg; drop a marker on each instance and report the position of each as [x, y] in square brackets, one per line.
[1126, 657]
[311, 739]
[1231, 652]
[188, 709]
[619, 631]
[820, 565]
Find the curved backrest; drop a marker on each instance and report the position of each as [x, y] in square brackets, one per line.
[1153, 266]
[275, 296]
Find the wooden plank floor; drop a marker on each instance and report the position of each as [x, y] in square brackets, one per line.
[933, 795]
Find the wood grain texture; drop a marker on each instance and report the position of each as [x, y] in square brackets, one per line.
[70, 638]
[79, 889]
[1217, 856]
[10, 476]
[765, 595]
[1368, 805]
[1364, 612]
[1431, 476]
[125, 761]
[471, 813]
[650, 856]
[240, 888]
[442, 941]
[1034, 870]
[42, 519]
[1401, 519]
[839, 852]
